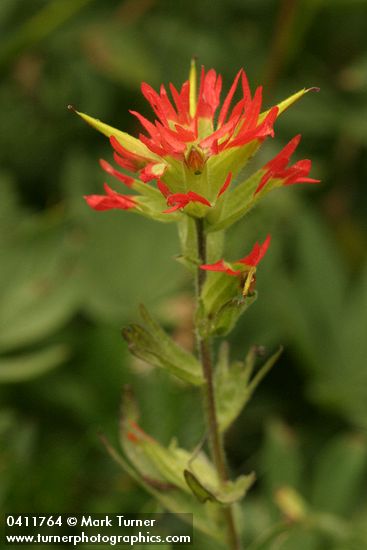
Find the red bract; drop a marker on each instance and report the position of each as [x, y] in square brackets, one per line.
[185, 130]
[110, 200]
[127, 180]
[277, 169]
[248, 262]
[133, 162]
[225, 185]
[180, 200]
[195, 143]
[178, 125]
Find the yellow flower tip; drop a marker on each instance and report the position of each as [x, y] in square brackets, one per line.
[284, 105]
[193, 86]
[249, 282]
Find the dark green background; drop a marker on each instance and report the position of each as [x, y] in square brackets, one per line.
[71, 277]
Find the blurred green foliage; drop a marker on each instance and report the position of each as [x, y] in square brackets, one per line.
[70, 277]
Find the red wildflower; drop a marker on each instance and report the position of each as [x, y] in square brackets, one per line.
[178, 126]
[185, 129]
[247, 263]
[277, 169]
[195, 143]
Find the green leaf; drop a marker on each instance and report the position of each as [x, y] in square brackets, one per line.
[230, 160]
[286, 103]
[227, 316]
[161, 470]
[38, 282]
[40, 314]
[340, 470]
[238, 203]
[281, 459]
[30, 365]
[229, 493]
[215, 244]
[174, 467]
[201, 492]
[234, 386]
[188, 241]
[134, 145]
[173, 500]
[152, 344]
[221, 305]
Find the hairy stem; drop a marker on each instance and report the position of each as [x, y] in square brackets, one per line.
[215, 439]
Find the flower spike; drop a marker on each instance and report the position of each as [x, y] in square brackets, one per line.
[196, 145]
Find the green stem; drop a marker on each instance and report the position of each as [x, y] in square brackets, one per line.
[205, 353]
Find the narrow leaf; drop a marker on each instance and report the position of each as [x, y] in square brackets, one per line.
[340, 470]
[154, 345]
[230, 492]
[132, 144]
[201, 493]
[28, 366]
[286, 103]
[234, 386]
[172, 500]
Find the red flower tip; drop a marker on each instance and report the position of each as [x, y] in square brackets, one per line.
[257, 253]
[132, 437]
[112, 200]
[225, 185]
[135, 433]
[150, 172]
[179, 200]
[221, 266]
[127, 180]
[135, 160]
[177, 126]
[251, 260]
[164, 189]
[277, 167]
